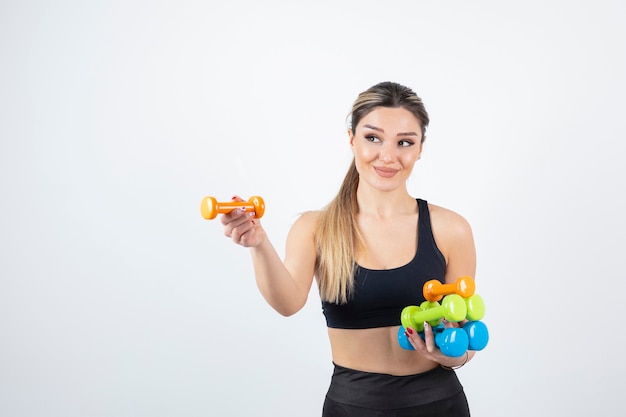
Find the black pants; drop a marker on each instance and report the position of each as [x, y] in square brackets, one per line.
[437, 392]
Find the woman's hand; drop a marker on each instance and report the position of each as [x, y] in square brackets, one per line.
[428, 348]
[242, 227]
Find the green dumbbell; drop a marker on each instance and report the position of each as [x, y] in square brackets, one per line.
[453, 308]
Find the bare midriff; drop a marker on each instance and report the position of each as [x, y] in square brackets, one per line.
[375, 350]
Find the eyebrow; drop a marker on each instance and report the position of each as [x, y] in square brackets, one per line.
[378, 129]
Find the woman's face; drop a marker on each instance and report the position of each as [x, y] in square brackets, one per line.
[386, 144]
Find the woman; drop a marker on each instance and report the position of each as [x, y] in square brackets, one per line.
[371, 250]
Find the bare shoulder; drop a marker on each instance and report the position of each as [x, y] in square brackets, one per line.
[454, 238]
[308, 219]
[450, 229]
[446, 219]
[305, 223]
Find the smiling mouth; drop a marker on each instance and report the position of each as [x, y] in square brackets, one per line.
[386, 172]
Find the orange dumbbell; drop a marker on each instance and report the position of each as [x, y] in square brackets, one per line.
[210, 207]
[435, 290]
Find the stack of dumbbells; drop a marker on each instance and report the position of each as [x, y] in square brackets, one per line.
[458, 303]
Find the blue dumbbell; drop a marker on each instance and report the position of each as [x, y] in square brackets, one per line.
[452, 341]
[477, 333]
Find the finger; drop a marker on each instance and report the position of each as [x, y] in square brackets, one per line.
[237, 233]
[409, 333]
[417, 340]
[242, 228]
[429, 338]
[249, 239]
[234, 213]
[232, 216]
[448, 324]
[235, 227]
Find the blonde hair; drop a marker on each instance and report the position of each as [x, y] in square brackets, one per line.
[337, 233]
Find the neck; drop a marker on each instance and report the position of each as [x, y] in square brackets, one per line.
[384, 204]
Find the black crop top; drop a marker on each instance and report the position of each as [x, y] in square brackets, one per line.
[380, 295]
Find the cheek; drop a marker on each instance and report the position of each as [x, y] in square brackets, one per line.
[409, 160]
[364, 154]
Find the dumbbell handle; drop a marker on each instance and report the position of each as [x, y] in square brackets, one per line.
[210, 207]
[453, 309]
[475, 307]
[434, 290]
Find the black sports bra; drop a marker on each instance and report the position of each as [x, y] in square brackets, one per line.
[380, 295]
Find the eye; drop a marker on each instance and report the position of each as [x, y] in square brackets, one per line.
[372, 138]
[405, 143]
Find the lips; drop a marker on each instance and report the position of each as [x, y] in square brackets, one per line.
[385, 172]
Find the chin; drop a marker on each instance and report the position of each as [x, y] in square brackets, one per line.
[385, 185]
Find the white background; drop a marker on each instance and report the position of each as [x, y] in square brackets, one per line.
[116, 118]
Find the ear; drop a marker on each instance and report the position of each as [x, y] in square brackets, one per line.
[351, 136]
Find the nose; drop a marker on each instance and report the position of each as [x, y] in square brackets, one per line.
[387, 152]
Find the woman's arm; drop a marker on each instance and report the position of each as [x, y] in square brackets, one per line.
[454, 238]
[285, 285]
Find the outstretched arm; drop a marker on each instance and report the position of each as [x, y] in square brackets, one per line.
[285, 285]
